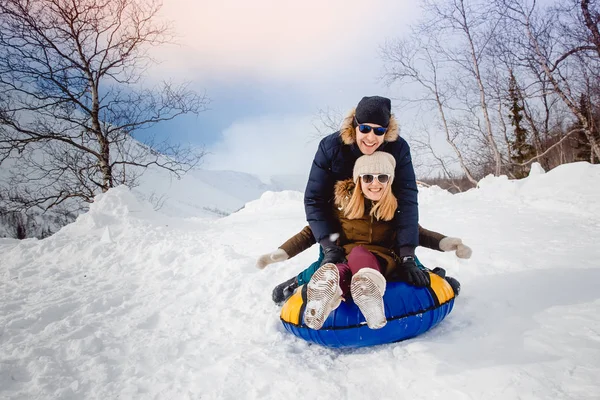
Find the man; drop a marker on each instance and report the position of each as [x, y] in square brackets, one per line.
[370, 127]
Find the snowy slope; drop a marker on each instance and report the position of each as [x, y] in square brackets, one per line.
[129, 303]
[199, 193]
[208, 193]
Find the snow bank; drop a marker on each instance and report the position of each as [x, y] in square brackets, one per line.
[273, 201]
[569, 188]
[127, 303]
[113, 208]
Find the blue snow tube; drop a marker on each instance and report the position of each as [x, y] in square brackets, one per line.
[410, 311]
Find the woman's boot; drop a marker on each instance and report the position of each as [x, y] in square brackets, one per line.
[323, 295]
[367, 289]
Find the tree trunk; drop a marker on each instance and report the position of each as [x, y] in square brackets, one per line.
[590, 24]
[461, 160]
[482, 98]
[505, 134]
[585, 122]
[104, 160]
[537, 143]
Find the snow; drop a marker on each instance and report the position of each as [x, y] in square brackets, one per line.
[131, 303]
[198, 193]
[208, 193]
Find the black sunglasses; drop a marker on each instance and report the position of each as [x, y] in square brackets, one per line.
[382, 178]
[367, 128]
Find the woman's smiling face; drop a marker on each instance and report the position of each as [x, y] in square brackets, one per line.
[374, 189]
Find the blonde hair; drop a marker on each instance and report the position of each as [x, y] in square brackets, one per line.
[384, 209]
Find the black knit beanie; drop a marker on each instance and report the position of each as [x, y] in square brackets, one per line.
[374, 110]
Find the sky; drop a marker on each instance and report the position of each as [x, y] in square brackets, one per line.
[132, 303]
[268, 67]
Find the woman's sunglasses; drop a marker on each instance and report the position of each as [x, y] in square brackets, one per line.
[367, 128]
[382, 178]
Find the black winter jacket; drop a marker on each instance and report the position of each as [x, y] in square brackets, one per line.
[334, 161]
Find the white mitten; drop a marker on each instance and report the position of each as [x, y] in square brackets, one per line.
[455, 244]
[270, 258]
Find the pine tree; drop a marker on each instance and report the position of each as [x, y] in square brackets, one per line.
[582, 144]
[520, 150]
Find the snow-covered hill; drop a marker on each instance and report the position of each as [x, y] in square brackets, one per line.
[130, 303]
[199, 193]
[205, 193]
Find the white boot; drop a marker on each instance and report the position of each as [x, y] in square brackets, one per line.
[367, 289]
[323, 295]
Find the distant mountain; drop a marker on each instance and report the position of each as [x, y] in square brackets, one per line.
[199, 193]
[289, 182]
[210, 193]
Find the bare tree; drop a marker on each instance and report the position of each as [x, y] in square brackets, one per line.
[327, 121]
[497, 91]
[482, 65]
[447, 58]
[579, 32]
[410, 61]
[531, 92]
[445, 164]
[563, 62]
[473, 25]
[591, 20]
[71, 74]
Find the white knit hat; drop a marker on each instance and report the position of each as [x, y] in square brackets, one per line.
[377, 163]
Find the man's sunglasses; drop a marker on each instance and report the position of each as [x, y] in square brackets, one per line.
[382, 178]
[367, 128]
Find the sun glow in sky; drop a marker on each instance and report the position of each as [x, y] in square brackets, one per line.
[266, 64]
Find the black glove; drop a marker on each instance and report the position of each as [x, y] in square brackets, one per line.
[333, 254]
[284, 290]
[407, 271]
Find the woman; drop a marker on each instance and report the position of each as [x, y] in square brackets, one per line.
[363, 212]
[365, 205]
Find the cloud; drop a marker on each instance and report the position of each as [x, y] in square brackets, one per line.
[266, 146]
[279, 39]
[270, 65]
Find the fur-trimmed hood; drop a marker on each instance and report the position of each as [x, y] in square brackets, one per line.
[348, 133]
[343, 192]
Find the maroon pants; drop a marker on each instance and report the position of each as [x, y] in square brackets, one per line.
[358, 259]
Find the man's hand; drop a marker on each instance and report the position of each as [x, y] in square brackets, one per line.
[270, 258]
[284, 290]
[455, 244]
[408, 271]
